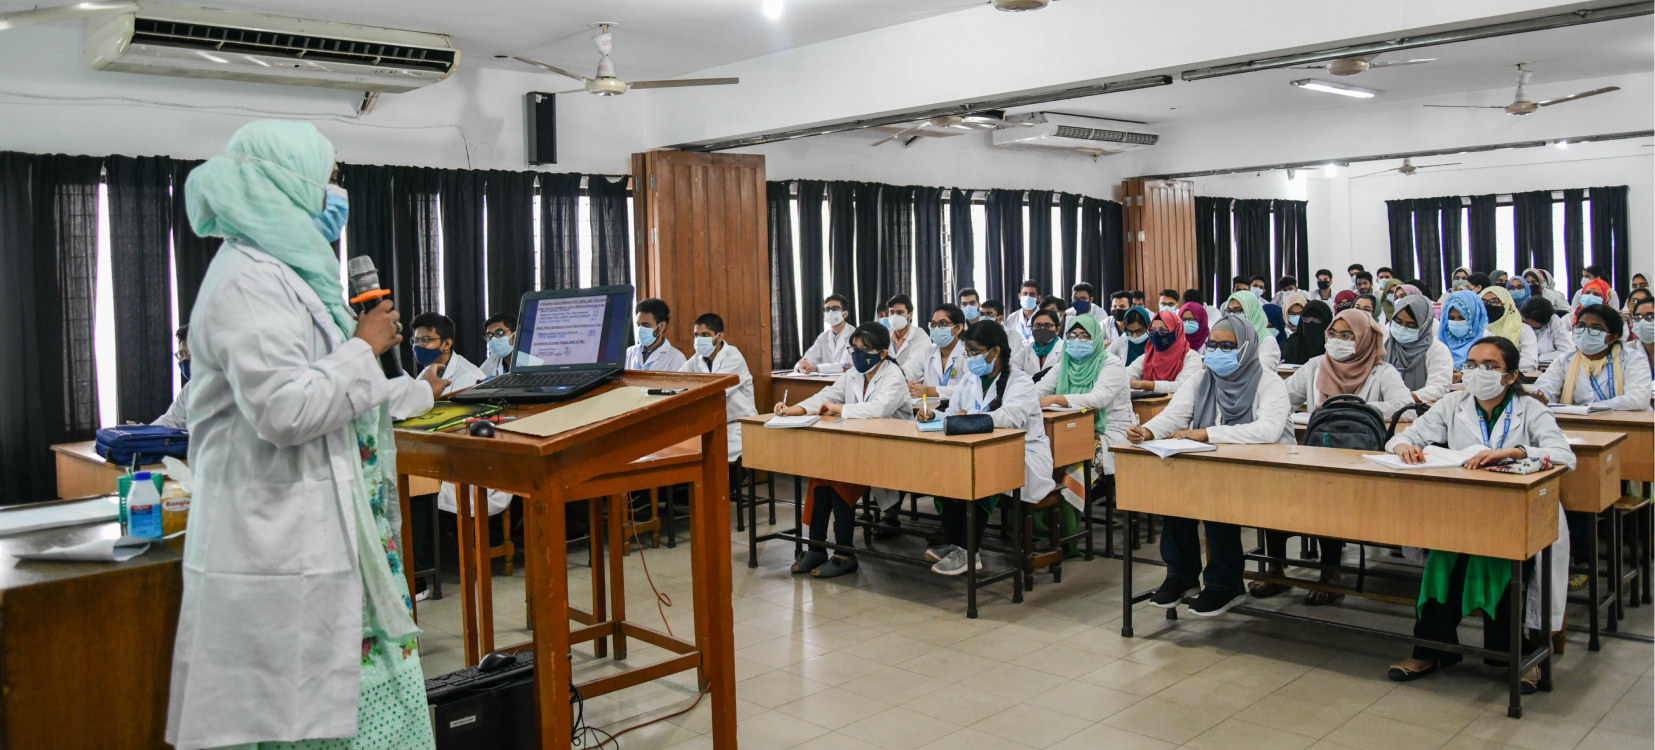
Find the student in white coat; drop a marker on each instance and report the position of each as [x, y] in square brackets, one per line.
[1506, 322]
[1553, 339]
[1602, 370]
[1114, 324]
[295, 620]
[178, 414]
[1134, 339]
[1424, 362]
[499, 336]
[1088, 378]
[1020, 320]
[1247, 305]
[714, 355]
[873, 388]
[829, 354]
[945, 367]
[1494, 417]
[653, 351]
[1235, 400]
[1083, 300]
[1045, 348]
[910, 347]
[994, 311]
[1007, 394]
[1168, 362]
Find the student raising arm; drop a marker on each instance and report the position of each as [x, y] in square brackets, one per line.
[1169, 361]
[1602, 369]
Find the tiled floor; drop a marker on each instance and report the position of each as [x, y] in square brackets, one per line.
[885, 658]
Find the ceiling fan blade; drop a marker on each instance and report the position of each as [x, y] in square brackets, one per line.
[1428, 166]
[951, 7]
[553, 68]
[683, 82]
[1466, 106]
[917, 128]
[63, 13]
[1382, 171]
[1395, 63]
[1581, 95]
[1307, 67]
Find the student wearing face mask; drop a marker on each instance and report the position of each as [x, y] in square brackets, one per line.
[1552, 338]
[995, 313]
[1292, 307]
[1595, 290]
[1288, 285]
[1169, 361]
[1134, 338]
[1464, 316]
[831, 350]
[1504, 321]
[433, 344]
[1389, 291]
[1045, 350]
[1088, 378]
[1083, 301]
[1007, 394]
[1309, 340]
[1518, 289]
[910, 347]
[714, 355]
[178, 414]
[1355, 271]
[1635, 298]
[1169, 301]
[1260, 287]
[1193, 317]
[1426, 366]
[653, 351]
[946, 364]
[499, 338]
[337, 212]
[1642, 322]
[1114, 325]
[1541, 283]
[1324, 285]
[1494, 417]
[1277, 321]
[1017, 322]
[1603, 369]
[873, 388]
[970, 304]
[1248, 306]
[1234, 400]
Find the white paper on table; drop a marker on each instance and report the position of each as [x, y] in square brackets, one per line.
[102, 550]
[1286, 366]
[1580, 411]
[1056, 408]
[1173, 447]
[1435, 458]
[830, 368]
[799, 421]
[1301, 417]
[54, 515]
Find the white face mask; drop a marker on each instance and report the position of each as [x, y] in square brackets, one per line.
[1484, 384]
[1340, 349]
[897, 322]
[833, 317]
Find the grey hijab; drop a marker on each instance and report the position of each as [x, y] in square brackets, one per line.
[1410, 359]
[1229, 396]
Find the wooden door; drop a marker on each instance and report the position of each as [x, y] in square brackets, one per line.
[703, 248]
[1160, 235]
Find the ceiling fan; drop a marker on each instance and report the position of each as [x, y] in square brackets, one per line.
[1521, 104]
[1349, 66]
[1009, 6]
[1408, 168]
[985, 120]
[75, 12]
[606, 84]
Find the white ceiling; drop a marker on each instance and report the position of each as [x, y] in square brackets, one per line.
[656, 38]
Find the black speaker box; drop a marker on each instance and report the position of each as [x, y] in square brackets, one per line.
[540, 127]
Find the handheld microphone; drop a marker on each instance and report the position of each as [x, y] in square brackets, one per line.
[367, 294]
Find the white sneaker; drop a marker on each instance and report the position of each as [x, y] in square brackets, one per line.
[953, 563]
[936, 555]
[423, 595]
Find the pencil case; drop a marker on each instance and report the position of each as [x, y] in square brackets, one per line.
[968, 424]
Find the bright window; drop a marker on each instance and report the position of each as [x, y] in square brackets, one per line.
[1505, 237]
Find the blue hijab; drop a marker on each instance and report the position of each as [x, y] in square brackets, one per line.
[1272, 313]
[1471, 308]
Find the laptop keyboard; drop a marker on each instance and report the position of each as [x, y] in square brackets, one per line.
[540, 379]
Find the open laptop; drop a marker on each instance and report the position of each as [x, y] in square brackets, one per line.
[569, 341]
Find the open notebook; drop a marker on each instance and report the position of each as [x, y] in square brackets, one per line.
[1168, 448]
[1596, 408]
[1435, 458]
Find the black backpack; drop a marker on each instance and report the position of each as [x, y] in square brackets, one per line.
[1347, 421]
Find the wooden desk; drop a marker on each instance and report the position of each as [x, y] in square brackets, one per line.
[1592, 487]
[81, 472]
[87, 647]
[1072, 436]
[1147, 408]
[1336, 493]
[893, 454]
[548, 473]
[1638, 454]
[1285, 373]
[797, 387]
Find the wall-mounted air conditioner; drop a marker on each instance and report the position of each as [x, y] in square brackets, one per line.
[1085, 135]
[175, 40]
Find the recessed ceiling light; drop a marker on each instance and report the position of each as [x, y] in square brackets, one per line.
[1562, 144]
[772, 9]
[1330, 170]
[1335, 88]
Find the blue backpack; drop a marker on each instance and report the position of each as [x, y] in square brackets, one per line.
[140, 444]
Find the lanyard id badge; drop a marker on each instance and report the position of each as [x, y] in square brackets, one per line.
[1504, 433]
[1609, 372]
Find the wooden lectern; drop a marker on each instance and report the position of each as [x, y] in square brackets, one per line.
[544, 471]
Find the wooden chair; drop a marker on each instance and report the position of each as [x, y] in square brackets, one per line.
[1051, 559]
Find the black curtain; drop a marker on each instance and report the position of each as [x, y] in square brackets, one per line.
[1451, 210]
[928, 273]
[1610, 216]
[191, 253]
[1428, 243]
[1212, 244]
[1091, 246]
[1113, 253]
[1040, 241]
[1068, 221]
[1399, 216]
[841, 198]
[1292, 241]
[1574, 235]
[371, 230]
[811, 194]
[868, 254]
[415, 245]
[462, 258]
[1533, 214]
[896, 243]
[1005, 246]
[1484, 251]
[140, 229]
[510, 208]
[559, 231]
[962, 251]
[784, 317]
[1252, 231]
[611, 237]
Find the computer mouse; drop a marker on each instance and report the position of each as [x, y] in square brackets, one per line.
[496, 661]
[481, 429]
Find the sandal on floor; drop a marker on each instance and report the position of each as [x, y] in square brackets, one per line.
[838, 566]
[1265, 589]
[810, 560]
[1529, 685]
[1318, 598]
[1399, 673]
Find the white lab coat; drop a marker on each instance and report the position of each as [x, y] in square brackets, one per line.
[1454, 422]
[830, 353]
[885, 397]
[1613, 301]
[665, 358]
[1020, 324]
[1019, 410]
[738, 399]
[1383, 390]
[1270, 424]
[462, 374]
[1528, 349]
[177, 415]
[1118, 349]
[492, 366]
[1553, 341]
[1110, 392]
[1110, 331]
[1634, 376]
[1026, 360]
[269, 641]
[945, 374]
[911, 352]
[1193, 368]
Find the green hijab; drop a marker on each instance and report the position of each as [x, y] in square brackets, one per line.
[1075, 375]
[1254, 311]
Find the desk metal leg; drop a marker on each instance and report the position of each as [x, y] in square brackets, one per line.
[1546, 615]
[1593, 573]
[970, 562]
[798, 515]
[1514, 659]
[436, 553]
[1126, 583]
[1086, 504]
[772, 484]
[753, 525]
[1617, 554]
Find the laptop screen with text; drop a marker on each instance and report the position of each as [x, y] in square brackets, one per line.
[573, 329]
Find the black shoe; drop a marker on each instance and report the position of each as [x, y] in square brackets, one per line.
[1212, 603]
[889, 527]
[1399, 673]
[1170, 593]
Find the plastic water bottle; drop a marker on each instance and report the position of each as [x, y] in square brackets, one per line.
[143, 506]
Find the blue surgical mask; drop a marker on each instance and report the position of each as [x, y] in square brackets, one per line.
[864, 362]
[978, 365]
[1587, 300]
[1460, 328]
[1589, 341]
[971, 312]
[1221, 361]
[942, 336]
[1404, 334]
[704, 346]
[1190, 327]
[1519, 296]
[184, 371]
[1258, 292]
[333, 217]
[500, 348]
[1138, 339]
[1082, 306]
[424, 357]
[646, 335]
[1029, 303]
[1162, 339]
[1293, 320]
[1079, 348]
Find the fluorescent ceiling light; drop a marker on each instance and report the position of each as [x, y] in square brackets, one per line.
[772, 9]
[1335, 88]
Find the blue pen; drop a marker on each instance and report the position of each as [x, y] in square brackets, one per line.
[837, 421]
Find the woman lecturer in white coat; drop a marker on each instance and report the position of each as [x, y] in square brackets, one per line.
[294, 625]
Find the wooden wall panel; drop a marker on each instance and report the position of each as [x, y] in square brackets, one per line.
[1160, 235]
[703, 247]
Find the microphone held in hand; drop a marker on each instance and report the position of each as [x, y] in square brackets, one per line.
[367, 294]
